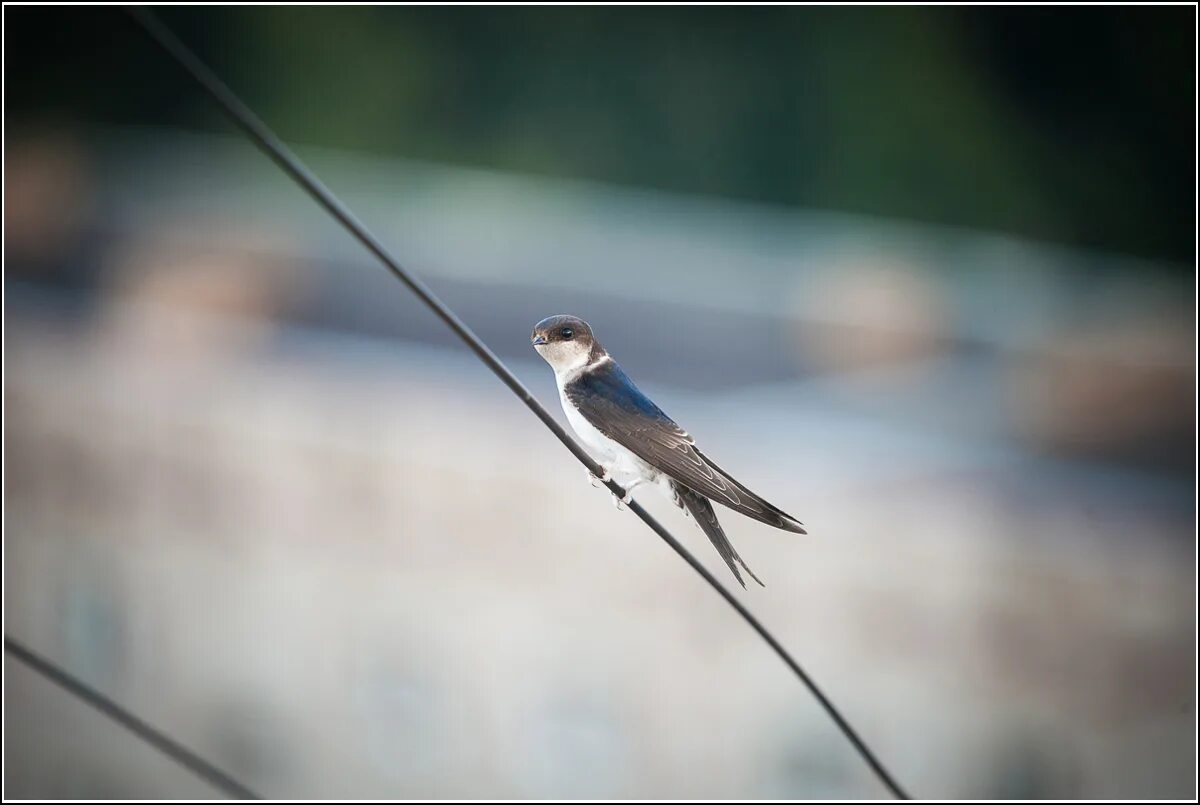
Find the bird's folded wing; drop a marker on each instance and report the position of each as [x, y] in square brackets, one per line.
[614, 406]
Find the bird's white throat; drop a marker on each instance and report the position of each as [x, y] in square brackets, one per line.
[568, 359]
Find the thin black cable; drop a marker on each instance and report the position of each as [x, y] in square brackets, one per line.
[293, 167]
[180, 754]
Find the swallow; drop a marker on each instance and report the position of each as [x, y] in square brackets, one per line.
[636, 443]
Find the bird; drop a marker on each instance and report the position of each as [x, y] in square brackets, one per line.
[636, 443]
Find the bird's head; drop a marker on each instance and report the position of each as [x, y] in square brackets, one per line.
[565, 342]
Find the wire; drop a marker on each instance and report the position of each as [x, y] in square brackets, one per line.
[258, 131]
[180, 754]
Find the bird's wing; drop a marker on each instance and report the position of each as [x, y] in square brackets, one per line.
[609, 400]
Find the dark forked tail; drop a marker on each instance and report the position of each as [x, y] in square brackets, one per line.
[702, 512]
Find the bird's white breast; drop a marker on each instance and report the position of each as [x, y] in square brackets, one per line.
[586, 431]
[620, 461]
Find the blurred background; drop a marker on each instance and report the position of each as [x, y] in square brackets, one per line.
[922, 276]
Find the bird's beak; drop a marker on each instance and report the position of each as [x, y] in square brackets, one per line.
[539, 340]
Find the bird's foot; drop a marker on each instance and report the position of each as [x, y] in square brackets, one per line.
[633, 484]
[621, 503]
[599, 482]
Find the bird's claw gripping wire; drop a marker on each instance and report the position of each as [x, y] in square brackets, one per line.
[598, 482]
[621, 503]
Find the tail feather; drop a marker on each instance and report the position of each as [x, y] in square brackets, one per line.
[702, 512]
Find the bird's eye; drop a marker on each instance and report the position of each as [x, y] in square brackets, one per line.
[567, 333]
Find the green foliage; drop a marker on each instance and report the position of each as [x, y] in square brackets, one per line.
[1074, 125]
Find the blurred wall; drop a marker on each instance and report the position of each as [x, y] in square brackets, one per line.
[255, 493]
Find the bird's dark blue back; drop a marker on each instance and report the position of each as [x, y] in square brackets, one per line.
[609, 382]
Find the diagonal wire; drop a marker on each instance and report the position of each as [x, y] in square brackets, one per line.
[177, 752]
[265, 139]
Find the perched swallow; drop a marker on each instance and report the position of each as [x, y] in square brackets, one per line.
[637, 443]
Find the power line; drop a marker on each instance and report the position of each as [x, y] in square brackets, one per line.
[258, 131]
[177, 752]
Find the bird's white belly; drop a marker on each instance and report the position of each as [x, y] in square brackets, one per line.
[620, 462]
